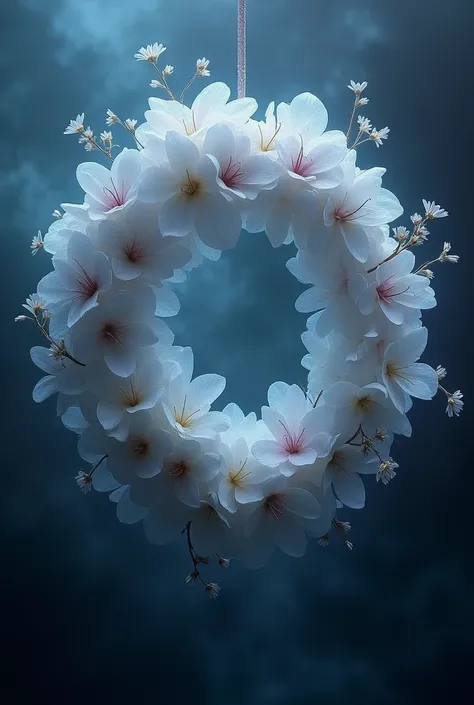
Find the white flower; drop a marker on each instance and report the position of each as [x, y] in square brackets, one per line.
[386, 471]
[36, 243]
[117, 328]
[416, 219]
[57, 214]
[84, 481]
[403, 376]
[455, 405]
[400, 233]
[111, 117]
[241, 476]
[62, 375]
[187, 405]
[75, 126]
[185, 468]
[378, 135]
[432, 210]
[357, 88]
[75, 284]
[209, 107]
[366, 406]
[120, 398]
[168, 70]
[154, 83]
[342, 471]
[106, 136]
[190, 195]
[201, 67]
[35, 304]
[364, 124]
[109, 191]
[317, 163]
[137, 249]
[445, 257]
[358, 203]
[299, 431]
[396, 289]
[428, 273]
[441, 372]
[240, 173]
[130, 124]
[277, 520]
[361, 101]
[150, 53]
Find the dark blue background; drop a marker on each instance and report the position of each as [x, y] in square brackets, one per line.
[90, 611]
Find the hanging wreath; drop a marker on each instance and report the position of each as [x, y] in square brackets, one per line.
[235, 485]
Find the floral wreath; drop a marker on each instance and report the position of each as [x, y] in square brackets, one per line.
[235, 485]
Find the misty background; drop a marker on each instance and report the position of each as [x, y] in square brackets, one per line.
[89, 609]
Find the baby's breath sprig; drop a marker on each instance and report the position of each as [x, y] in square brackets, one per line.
[84, 479]
[212, 589]
[454, 399]
[151, 54]
[86, 137]
[386, 471]
[366, 133]
[406, 239]
[39, 315]
[129, 125]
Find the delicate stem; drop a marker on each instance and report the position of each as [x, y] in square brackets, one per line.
[165, 82]
[351, 121]
[432, 261]
[131, 132]
[97, 464]
[64, 352]
[189, 83]
[192, 553]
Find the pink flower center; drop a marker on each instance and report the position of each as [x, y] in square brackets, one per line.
[274, 505]
[388, 290]
[292, 443]
[232, 175]
[341, 214]
[87, 285]
[301, 165]
[114, 196]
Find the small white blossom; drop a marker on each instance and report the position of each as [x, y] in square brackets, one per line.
[34, 304]
[20, 319]
[416, 219]
[84, 481]
[455, 405]
[349, 545]
[432, 210]
[324, 540]
[361, 101]
[106, 136]
[130, 124]
[444, 257]
[111, 117]
[156, 84]
[150, 53]
[57, 214]
[400, 233]
[364, 124]
[201, 67]
[357, 87]
[386, 471]
[168, 70]
[75, 126]
[192, 577]
[428, 273]
[36, 243]
[378, 135]
[223, 562]
[441, 372]
[213, 589]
